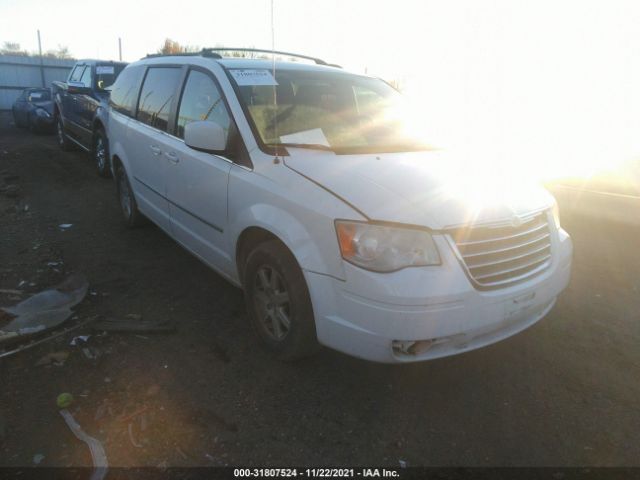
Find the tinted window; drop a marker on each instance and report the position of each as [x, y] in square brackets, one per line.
[85, 80]
[39, 95]
[106, 75]
[76, 74]
[158, 91]
[124, 93]
[201, 100]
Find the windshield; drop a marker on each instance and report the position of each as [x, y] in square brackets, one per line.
[335, 111]
[106, 75]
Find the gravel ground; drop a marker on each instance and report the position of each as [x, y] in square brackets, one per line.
[563, 393]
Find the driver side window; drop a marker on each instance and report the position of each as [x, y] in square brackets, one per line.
[202, 100]
[77, 73]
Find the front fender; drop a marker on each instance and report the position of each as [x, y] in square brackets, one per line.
[116, 149]
[296, 236]
[101, 117]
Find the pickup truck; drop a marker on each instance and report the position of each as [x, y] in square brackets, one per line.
[80, 109]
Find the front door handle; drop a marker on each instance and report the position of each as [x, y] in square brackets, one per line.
[155, 149]
[173, 158]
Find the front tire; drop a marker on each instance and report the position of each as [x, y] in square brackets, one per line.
[278, 302]
[128, 205]
[63, 142]
[100, 153]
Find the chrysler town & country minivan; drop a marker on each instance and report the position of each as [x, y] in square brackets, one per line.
[302, 184]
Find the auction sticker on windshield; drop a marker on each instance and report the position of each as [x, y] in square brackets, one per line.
[246, 76]
[104, 70]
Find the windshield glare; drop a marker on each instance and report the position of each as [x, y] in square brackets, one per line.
[346, 113]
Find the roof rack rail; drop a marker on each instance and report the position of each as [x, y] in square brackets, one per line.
[204, 53]
[318, 61]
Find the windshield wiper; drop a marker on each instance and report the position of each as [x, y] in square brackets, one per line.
[310, 146]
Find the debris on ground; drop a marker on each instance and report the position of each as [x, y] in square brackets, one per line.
[45, 310]
[131, 439]
[100, 463]
[37, 458]
[133, 323]
[65, 226]
[11, 191]
[55, 358]
[64, 400]
[32, 343]
[79, 339]
[10, 291]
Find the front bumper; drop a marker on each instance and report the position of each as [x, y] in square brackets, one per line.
[365, 314]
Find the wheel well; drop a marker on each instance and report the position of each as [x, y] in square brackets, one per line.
[97, 126]
[250, 238]
[117, 163]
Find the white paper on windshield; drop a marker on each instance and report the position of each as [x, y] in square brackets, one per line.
[104, 70]
[314, 136]
[251, 76]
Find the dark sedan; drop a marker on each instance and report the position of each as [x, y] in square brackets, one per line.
[34, 110]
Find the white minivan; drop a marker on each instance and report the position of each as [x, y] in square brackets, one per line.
[306, 186]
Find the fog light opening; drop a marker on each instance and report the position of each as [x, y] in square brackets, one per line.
[412, 347]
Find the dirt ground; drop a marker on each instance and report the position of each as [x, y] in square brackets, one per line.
[563, 393]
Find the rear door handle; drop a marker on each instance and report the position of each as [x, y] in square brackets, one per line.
[173, 158]
[155, 149]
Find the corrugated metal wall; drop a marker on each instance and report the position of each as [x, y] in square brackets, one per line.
[18, 72]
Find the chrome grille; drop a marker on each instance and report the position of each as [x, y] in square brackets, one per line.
[499, 255]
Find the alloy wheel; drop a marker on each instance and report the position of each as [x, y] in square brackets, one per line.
[100, 153]
[272, 303]
[60, 133]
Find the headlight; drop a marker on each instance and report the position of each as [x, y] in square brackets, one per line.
[42, 113]
[556, 215]
[385, 249]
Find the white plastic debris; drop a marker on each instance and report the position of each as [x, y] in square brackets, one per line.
[47, 309]
[79, 339]
[97, 450]
[65, 226]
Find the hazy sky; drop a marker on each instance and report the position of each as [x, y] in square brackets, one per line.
[550, 83]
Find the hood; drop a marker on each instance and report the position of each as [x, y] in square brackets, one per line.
[432, 188]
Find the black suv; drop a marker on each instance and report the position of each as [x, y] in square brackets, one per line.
[80, 109]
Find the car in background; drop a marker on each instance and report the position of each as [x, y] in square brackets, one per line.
[81, 107]
[34, 110]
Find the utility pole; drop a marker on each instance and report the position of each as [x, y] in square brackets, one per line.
[120, 48]
[41, 63]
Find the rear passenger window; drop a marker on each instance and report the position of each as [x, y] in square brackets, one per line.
[85, 80]
[158, 92]
[202, 100]
[124, 93]
[76, 74]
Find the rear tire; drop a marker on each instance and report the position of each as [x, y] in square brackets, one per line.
[278, 302]
[100, 153]
[63, 142]
[128, 205]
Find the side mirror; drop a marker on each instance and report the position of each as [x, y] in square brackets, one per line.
[78, 89]
[206, 136]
